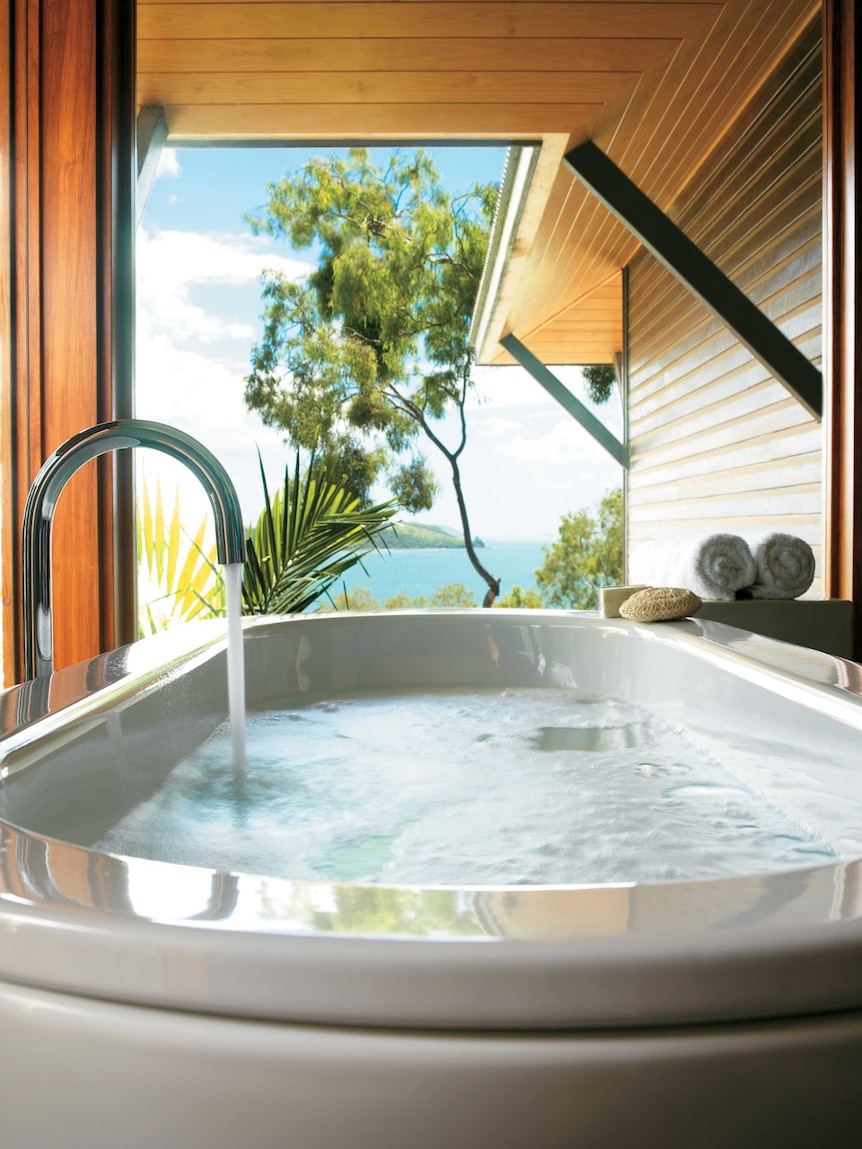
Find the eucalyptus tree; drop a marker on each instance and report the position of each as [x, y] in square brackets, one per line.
[364, 356]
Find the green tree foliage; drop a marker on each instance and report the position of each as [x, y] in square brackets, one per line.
[587, 555]
[452, 594]
[360, 598]
[370, 350]
[600, 379]
[521, 598]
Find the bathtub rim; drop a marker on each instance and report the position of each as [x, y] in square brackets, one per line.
[827, 683]
[248, 967]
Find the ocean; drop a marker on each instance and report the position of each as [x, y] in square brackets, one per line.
[417, 572]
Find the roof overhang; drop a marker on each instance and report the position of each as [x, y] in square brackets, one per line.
[656, 84]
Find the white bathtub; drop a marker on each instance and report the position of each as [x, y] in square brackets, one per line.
[145, 1003]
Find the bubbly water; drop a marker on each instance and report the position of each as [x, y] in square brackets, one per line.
[235, 666]
[482, 787]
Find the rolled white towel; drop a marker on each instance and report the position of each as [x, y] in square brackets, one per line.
[713, 566]
[785, 565]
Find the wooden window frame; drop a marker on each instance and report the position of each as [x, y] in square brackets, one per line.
[841, 326]
[66, 303]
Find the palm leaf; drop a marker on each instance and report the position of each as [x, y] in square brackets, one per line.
[187, 582]
[146, 530]
[307, 536]
[173, 549]
[159, 533]
[199, 570]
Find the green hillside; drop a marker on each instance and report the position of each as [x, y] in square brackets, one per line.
[412, 537]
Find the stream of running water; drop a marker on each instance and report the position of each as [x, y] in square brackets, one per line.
[235, 667]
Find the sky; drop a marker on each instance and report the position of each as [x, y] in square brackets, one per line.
[527, 463]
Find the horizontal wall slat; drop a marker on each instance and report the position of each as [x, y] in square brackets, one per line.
[774, 446]
[787, 473]
[553, 54]
[775, 504]
[398, 20]
[732, 421]
[766, 421]
[384, 121]
[449, 87]
[681, 402]
[799, 220]
[807, 527]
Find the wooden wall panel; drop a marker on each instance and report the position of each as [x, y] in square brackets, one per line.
[70, 350]
[58, 263]
[716, 443]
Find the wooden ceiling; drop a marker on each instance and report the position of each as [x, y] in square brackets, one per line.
[456, 69]
[656, 85]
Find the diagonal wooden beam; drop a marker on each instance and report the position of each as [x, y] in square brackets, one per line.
[566, 399]
[698, 274]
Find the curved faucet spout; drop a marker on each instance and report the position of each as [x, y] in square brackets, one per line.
[46, 490]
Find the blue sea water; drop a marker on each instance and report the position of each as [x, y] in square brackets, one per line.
[418, 572]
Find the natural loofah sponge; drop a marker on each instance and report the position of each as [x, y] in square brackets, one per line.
[660, 604]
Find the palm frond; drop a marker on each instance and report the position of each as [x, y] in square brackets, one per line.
[308, 535]
[178, 579]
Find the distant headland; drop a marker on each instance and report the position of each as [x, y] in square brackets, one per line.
[411, 536]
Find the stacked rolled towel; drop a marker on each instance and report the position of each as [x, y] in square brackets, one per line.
[785, 565]
[713, 566]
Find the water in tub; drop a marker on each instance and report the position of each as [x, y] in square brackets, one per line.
[479, 787]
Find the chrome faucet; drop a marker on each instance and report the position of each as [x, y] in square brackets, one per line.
[52, 478]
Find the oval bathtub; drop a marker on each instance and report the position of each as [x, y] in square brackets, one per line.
[145, 1001]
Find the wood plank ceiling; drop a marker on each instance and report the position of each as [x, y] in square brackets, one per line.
[656, 85]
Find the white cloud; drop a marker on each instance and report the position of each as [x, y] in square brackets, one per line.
[185, 376]
[566, 441]
[169, 164]
[197, 394]
[171, 263]
[183, 257]
[507, 387]
[493, 426]
[513, 388]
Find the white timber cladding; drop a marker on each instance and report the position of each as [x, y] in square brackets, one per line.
[716, 443]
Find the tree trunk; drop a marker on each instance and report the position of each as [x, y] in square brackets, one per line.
[493, 583]
[417, 413]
